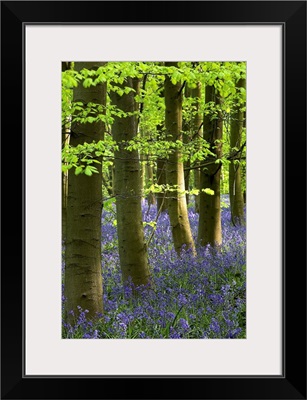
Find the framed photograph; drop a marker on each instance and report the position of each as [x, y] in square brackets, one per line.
[262, 354]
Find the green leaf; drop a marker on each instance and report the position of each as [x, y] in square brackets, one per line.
[88, 171]
[87, 82]
[153, 224]
[108, 204]
[194, 192]
[66, 167]
[79, 170]
[208, 191]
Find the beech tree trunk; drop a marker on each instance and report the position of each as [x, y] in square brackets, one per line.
[187, 136]
[197, 132]
[149, 180]
[65, 139]
[128, 192]
[176, 202]
[161, 179]
[235, 189]
[210, 227]
[193, 126]
[83, 272]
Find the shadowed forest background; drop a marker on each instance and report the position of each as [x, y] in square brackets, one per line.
[154, 200]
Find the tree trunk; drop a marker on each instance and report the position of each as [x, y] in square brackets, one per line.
[197, 132]
[65, 139]
[196, 173]
[235, 189]
[83, 275]
[149, 180]
[161, 179]
[176, 203]
[187, 130]
[128, 192]
[210, 227]
[192, 131]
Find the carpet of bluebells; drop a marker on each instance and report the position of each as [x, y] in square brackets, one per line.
[202, 297]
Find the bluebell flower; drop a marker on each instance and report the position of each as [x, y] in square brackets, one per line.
[174, 334]
[215, 326]
[210, 305]
[182, 300]
[183, 324]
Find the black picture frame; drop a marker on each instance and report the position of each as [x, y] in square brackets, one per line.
[292, 16]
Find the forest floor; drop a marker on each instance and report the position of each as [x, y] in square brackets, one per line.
[199, 297]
